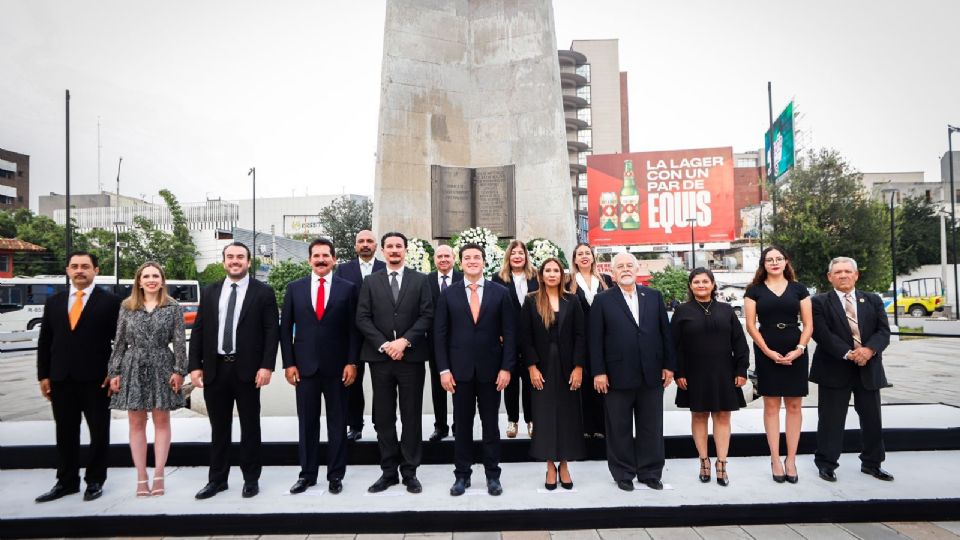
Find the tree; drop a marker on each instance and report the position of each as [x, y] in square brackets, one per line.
[342, 220]
[212, 273]
[181, 264]
[824, 213]
[671, 282]
[918, 234]
[44, 232]
[283, 273]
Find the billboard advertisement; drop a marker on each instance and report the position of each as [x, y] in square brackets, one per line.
[648, 197]
[783, 154]
[302, 226]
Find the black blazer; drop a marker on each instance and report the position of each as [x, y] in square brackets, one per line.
[435, 287]
[607, 280]
[631, 355]
[532, 285]
[350, 271]
[258, 332]
[474, 350]
[832, 333]
[380, 319]
[321, 347]
[81, 354]
[535, 338]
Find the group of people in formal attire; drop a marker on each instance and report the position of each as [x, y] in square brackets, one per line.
[585, 354]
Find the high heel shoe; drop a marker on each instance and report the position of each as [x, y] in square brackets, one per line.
[705, 469]
[143, 492]
[793, 479]
[564, 485]
[157, 492]
[778, 478]
[547, 484]
[722, 477]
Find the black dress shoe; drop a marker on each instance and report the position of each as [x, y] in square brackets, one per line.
[301, 485]
[460, 486]
[211, 489]
[95, 490]
[493, 486]
[413, 485]
[354, 435]
[336, 486]
[877, 473]
[57, 491]
[626, 485]
[250, 489]
[827, 475]
[382, 484]
[439, 435]
[652, 483]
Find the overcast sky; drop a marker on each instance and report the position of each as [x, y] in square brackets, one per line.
[194, 93]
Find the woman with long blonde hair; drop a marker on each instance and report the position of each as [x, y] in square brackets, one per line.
[145, 374]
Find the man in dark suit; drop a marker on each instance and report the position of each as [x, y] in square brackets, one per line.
[355, 271]
[394, 313]
[72, 355]
[851, 330]
[632, 360]
[439, 280]
[233, 350]
[475, 346]
[320, 345]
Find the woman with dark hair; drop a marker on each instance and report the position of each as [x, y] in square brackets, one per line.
[145, 374]
[554, 352]
[519, 277]
[781, 305]
[712, 361]
[586, 282]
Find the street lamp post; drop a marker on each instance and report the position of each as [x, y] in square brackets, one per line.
[253, 172]
[893, 257]
[693, 248]
[953, 218]
[116, 256]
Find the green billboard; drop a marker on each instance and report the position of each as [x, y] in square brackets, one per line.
[782, 160]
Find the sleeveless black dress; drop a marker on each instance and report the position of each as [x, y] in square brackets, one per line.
[779, 318]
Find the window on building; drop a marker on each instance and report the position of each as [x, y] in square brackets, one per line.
[584, 71]
[582, 157]
[585, 136]
[585, 115]
[4, 263]
[584, 92]
[582, 203]
[927, 196]
[582, 180]
[746, 162]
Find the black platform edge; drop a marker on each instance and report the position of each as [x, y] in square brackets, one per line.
[196, 454]
[491, 520]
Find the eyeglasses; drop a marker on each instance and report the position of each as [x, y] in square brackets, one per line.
[774, 260]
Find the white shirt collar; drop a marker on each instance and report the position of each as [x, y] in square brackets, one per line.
[86, 292]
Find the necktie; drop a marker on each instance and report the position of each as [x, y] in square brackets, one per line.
[394, 286]
[228, 321]
[851, 311]
[321, 294]
[75, 310]
[474, 302]
[443, 285]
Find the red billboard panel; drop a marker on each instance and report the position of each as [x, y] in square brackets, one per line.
[648, 197]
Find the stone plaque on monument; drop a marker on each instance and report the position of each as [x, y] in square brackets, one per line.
[462, 197]
[452, 200]
[494, 202]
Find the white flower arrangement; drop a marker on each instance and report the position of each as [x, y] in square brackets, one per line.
[419, 255]
[493, 253]
[542, 249]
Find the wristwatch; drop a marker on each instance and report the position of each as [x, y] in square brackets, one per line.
[801, 346]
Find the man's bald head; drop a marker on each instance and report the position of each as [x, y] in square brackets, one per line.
[443, 258]
[365, 245]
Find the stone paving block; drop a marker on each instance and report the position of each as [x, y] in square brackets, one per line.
[872, 531]
[429, 536]
[285, 537]
[379, 537]
[332, 537]
[821, 531]
[772, 532]
[921, 530]
[952, 526]
[623, 534]
[727, 532]
[525, 535]
[673, 533]
[582, 534]
[475, 536]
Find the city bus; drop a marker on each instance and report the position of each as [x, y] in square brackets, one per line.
[22, 298]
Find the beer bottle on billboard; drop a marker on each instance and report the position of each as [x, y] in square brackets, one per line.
[608, 211]
[629, 199]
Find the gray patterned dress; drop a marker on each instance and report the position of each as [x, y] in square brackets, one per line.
[143, 359]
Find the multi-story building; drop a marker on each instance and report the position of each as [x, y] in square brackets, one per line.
[14, 180]
[907, 184]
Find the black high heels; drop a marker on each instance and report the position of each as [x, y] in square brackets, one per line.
[705, 470]
[564, 485]
[790, 478]
[722, 477]
[778, 478]
[547, 484]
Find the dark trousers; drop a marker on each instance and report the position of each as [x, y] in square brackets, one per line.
[439, 397]
[355, 401]
[393, 379]
[220, 395]
[518, 390]
[470, 397]
[71, 399]
[640, 409]
[309, 391]
[832, 406]
[592, 403]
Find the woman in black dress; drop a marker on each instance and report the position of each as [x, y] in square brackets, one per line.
[712, 361]
[586, 282]
[780, 304]
[554, 351]
[519, 276]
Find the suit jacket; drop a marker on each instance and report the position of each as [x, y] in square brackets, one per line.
[474, 350]
[350, 271]
[535, 338]
[257, 332]
[631, 355]
[321, 347]
[532, 285]
[81, 354]
[832, 333]
[435, 292]
[380, 319]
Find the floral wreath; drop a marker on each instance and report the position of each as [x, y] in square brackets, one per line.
[542, 249]
[482, 236]
[419, 255]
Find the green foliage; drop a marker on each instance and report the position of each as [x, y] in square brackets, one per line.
[180, 264]
[44, 232]
[212, 273]
[671, 282]
[342, 220]
[285, 272]
[918, 234]
[824, 213]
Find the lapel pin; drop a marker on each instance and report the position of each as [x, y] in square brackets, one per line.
[861, 300]
[642, 294]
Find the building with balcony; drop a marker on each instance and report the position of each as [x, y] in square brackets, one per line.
[14, 180]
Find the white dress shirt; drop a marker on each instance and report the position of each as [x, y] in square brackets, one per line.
[633, 304]
[520, 286]
[589, 291]
[315, 285]
[466, 286]
[440, 279]
[366, 268]
[242, 286]
[73, 296]
[399, 272]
